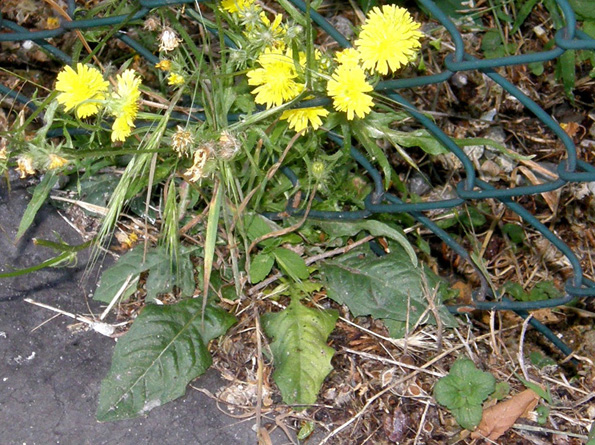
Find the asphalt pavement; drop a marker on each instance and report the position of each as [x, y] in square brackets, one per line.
[50, 373]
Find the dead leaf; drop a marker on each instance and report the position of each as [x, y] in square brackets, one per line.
[497, 419]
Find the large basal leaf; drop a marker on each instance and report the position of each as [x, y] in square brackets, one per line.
[164, 350]
[376, 228]
[386, 287]
[162, 274]
[301, 356]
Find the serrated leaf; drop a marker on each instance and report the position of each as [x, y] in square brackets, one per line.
[376, 228]
[301, 356]
[291, 263]
[387, 287]
[261, 266]
[40, 194]
[163, 351]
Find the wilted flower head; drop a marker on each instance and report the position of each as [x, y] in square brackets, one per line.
[182, 140]
[152, 23]
[25, 166]
[228, 145]
[169, 40]
[200, 158]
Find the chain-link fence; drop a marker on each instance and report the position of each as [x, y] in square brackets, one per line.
[570, 170]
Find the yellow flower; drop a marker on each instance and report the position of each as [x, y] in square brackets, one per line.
[25, 166]
[81, 89]
[299, 118]
[175, 79]
[52, 22]
[163, 65]
[275, 80]
[349, 57]
[233, 6]
[56, 161]
[348, 88]
[124, 104]
[388, 39]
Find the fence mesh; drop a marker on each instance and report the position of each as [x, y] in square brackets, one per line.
[471, 188]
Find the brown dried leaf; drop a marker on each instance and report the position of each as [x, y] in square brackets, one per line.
[497, 419]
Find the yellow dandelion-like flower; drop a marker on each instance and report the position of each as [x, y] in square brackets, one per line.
[175, 79]
[276, 79]
[233, 6]
[300, 118]
[25, 166]
[56, 161]
[348, 87]
[163, 65]
[82, 89]
[124, 104]
[348, 57]
[388, 39]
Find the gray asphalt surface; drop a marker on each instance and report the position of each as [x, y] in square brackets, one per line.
[50, 377]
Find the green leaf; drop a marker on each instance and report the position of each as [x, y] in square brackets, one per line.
[387, 287]
[261, 266]
[301, 356]
[566, 69]
[418, 138]
[514, 232]
[515, 290]
[544, 290]
[541, 361]
[464, 390]
[163, 351]
[583, 8]
[468, 416]
[501, 390]
[338, 229]
[40, 194]
[163, 275]
[291, 263]
[522, 14]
